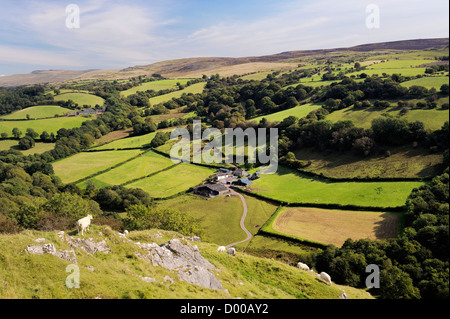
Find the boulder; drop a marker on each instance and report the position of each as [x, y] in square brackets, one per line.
[183, 259]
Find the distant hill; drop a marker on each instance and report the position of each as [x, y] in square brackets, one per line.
[196, 67]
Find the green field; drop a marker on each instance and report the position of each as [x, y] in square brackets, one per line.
[289, 186]
[155, 86]
[81, 99]
[220, 217]
[49, 125]
[298, 111]
[194, 89]
[404, 162]
[428, 82]
[39, 148]
[82, 165]
[173, 181]
[36, 112]
[144, 165]
[432, 119]
[256, 76]
[130, 142]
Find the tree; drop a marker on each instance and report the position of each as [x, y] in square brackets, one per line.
[4, 135]
[16, 133]
[32, 133]
[26, 143]
[397, 284]
[445, 89]
[45, 137]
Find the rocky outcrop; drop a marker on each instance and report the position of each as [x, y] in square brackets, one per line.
[184, 260]
[68, 255]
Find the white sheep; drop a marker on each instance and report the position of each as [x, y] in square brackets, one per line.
[221, 249]
[303, 266]
[84, 224]
[231, 251]
[325, 277]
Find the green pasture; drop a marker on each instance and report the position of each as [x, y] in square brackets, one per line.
[83, 165]
[298, 111]
[173, 181]
[194, 89]
[144, 165]
[433, 119]
[289, 186]
[36, 112]
[81, 99]
[428, 82]
[155, 86]
[50, 125]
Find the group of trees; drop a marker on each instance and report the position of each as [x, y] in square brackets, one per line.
[14, 99]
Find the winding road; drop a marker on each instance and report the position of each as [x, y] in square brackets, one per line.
[244, 203]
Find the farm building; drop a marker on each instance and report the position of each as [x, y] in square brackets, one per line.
[243, 182]
[240, 172]
[211, 190]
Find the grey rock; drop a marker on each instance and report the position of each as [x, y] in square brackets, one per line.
[185, 260]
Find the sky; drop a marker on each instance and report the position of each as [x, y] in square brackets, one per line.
[115, 34]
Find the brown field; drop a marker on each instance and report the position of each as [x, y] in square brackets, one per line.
[116, 135]
[335, 226]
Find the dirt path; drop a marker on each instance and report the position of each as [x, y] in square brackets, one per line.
[244, 203]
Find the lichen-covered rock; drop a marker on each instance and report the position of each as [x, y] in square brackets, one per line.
[185, 260]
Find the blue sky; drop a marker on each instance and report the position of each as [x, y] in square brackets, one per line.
[119, 34]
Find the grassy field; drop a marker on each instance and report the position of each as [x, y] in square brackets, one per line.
[130, 142]
[256, 76]
[428, 82]
[155, 86]
[404, 162]
[117, 275]
[82, 165]
[334, 227]
[220, 217]
[298, 111]
[194, 89]
[173, 181]
[81, 99]
[289, 186]
[36, 112]
[49, 125]
[144, 165]
[432, 119]
[39, 148]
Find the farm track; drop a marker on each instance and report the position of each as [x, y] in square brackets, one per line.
[242, 223]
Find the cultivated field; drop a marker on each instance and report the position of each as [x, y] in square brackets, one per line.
[289, 186]
[173, 181]
[82, 165]
[81, 99]
[155, 86]
[334, 227]
[36, 112]
[49, 125]
[142, 166]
